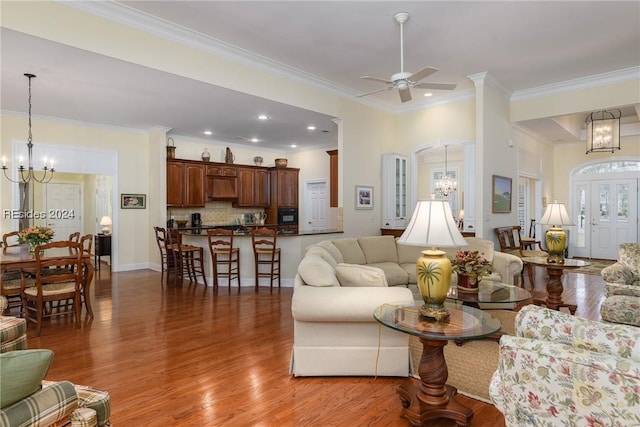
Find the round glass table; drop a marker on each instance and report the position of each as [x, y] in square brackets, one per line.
[432, 397]
[489, 292]
[554, 285]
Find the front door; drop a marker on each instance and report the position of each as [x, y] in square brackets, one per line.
[63, 209]
[607, 212]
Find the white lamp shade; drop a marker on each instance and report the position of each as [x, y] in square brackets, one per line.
[105, 221]
[432, 225]
[556, 214]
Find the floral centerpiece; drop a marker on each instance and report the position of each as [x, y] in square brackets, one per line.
[35, 236]
[471, 267]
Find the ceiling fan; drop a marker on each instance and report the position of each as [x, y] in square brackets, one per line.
[403, 81]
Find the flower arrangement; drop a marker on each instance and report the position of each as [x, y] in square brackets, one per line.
[35, 236]
[471, 263]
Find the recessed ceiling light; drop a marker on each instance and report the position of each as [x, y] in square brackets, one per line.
[263, 117]
[254, 140]
[311, 127]
[428, 94]
[208, 132]
[293, 145]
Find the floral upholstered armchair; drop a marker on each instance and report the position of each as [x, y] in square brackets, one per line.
[622, 290]
[562, 370]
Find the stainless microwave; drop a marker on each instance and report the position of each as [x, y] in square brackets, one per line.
[287, 216]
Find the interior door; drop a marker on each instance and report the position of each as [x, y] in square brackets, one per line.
[63, 209]
[316, 206]
[607, 212]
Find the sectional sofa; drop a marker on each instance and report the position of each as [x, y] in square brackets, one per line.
[339, 284]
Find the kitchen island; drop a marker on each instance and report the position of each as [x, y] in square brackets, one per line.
[292, 247]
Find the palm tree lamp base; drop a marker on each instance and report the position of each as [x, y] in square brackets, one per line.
[433, 270]
[556, 241]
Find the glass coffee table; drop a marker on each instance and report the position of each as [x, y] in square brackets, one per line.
[432, 397]
[554, 285]
[490, 292]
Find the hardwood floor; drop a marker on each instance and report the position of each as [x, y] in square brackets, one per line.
[184, 356]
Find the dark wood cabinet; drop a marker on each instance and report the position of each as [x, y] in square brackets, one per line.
[185, 184]
[101, 247]
[253, 187]
[333, 178]
[284, 187]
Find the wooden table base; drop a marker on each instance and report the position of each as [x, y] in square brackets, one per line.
[554, 292]
[432, 397]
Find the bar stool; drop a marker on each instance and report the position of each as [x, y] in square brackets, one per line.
[161, 237]
[224, 254]
[265, 252]
[187, 258]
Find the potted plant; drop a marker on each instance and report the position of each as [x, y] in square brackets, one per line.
[35, 236]
[471, 267]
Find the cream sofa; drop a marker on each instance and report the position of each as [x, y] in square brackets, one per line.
[340, 283]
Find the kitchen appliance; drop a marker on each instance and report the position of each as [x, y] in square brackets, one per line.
[249, 219]
[196, 223]
[287, 216]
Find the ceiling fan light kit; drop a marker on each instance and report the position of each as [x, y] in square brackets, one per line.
[404, 81]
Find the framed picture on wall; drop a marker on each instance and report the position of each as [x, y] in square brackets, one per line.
[133, 201]
[501, 194]
[364, 197]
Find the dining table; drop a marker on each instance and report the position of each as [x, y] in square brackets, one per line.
[13, 258]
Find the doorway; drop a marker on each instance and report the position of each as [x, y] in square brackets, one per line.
[605, 207]
[315, 205]
[63, 207]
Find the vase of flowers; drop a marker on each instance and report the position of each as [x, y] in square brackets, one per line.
[35, 236]
[471, 267]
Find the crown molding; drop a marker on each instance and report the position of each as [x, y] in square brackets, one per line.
[443, 99]
[626, 74]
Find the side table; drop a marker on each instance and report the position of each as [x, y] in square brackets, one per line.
[554, 285]
[102, 247]
[432, 397]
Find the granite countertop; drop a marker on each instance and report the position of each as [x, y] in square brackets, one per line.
[244, 230]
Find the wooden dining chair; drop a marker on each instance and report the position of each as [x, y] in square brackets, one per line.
[266, 253]
[161, 241]
[225, 258]
[511, 242]
[38, 300]
[188, 259]
[10, 239]
[11, 280]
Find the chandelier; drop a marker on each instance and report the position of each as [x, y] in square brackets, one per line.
[27, 174]
[603, 131]
[446, 185]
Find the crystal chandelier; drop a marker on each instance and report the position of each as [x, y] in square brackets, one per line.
[446, 185]
[26, 174]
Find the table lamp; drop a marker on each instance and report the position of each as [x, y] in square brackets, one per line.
[432, 225]
[106, 223]
[556, 239]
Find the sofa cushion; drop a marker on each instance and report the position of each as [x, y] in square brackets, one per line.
[360, 275]
[350, 250]
[408, 254]
[484, 247]
[379, 249]
[317, 272]
[322, 253]
[393, 272]
[332, 249]
[22, 373]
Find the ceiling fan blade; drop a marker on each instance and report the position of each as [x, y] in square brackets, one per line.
[377, 79]
[436, 86]
[375, 91]
[425, 72]
[405, 95]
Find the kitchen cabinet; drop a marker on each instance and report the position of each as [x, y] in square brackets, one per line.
[185, 183]
[253, 187]
[222, 182]
[333, 178]
[394, 191]
[284, 187]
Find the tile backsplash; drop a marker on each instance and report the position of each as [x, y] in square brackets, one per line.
[214, 213]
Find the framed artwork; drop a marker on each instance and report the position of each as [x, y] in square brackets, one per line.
[501, 194]
[364, 197]
[133, 201]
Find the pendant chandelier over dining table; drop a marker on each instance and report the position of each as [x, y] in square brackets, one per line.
[27, 174]
[446, 185]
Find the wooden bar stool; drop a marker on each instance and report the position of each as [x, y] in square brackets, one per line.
[187, 258]
[161, 237]
[265, 252]
[224, 255]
